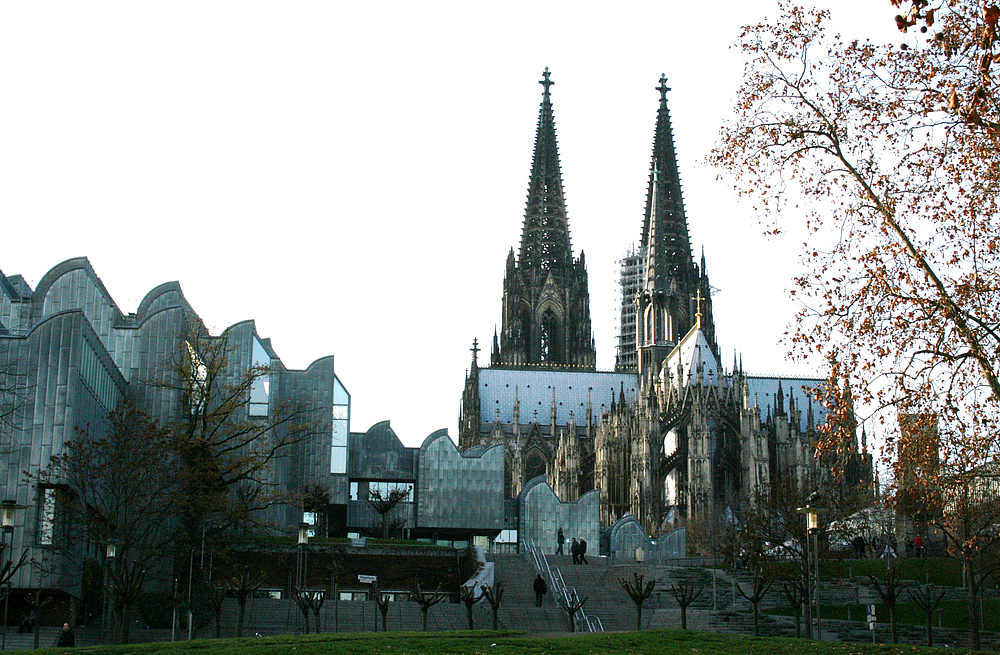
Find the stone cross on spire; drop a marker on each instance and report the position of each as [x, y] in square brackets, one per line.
[475, 350]
[697, 315]
[546, 82]
[663, 88]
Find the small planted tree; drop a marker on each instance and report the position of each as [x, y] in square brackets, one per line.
[889, 590]
[469, 599]
[382, 601]
[384, 504]
[685, 593]
[426, 600]
[639, 591]
[763, 578]
[927, 600]
[244, 585]
[795, 592]
[571, 606]
[494, 596]
[303, 599]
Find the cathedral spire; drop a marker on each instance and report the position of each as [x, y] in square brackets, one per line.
[545, 242]
[664, 204]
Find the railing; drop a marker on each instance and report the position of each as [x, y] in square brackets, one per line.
[568, 595]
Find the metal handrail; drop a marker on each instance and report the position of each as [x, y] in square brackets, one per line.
[559, 586]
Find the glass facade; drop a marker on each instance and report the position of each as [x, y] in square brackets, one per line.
[260, 389]
[341, 427]
[96, 378]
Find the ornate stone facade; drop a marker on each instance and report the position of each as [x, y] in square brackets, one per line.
[670, 433]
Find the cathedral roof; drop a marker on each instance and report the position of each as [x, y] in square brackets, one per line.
[533, 389]
[691, 355]
[545, 242]
[765, 392]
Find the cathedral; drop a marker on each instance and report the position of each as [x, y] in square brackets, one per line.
[669, 433]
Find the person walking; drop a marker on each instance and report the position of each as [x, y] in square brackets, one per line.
[918, 545]
[574, 550]
[560, 540]
[67, 639]
[540, 589]
[859, 547]
[583, 551]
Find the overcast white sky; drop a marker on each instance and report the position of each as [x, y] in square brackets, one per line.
[352, 175]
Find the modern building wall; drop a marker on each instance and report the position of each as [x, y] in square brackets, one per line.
[457, 491]
[73, 355]
[543, 514]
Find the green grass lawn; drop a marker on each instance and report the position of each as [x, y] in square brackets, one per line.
[954, 614]
[668, 642]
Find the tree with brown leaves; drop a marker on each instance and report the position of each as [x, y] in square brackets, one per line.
[884, 156]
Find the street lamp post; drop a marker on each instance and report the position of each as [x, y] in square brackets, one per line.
[8, 529]
[110, 554]
[812, 510]
[301, 561]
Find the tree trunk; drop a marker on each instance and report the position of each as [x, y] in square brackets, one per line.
[638, 617]
[893, 628]
[930, 631]
[495, 618]
[423, 618]
[240, 616]
[756, 618]
[973, 605]
[684, 617]
[468, 612]
[384, 619]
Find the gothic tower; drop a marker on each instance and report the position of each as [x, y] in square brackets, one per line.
[667, 288]
[546, 301]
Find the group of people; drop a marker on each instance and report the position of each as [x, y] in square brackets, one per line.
[882, 547]
[578, 549]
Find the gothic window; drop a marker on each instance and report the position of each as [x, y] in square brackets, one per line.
[548, 332]
[647, 333]
[534, 466]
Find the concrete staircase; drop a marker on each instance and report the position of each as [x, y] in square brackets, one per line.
[518, 611]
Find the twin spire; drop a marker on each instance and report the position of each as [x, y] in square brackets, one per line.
[545, 242]
[664, 227]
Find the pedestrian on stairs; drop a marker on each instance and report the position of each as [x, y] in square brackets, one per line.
[540, 589]
[574, 550]
[583, 551]
[560, 540]
[67, 639]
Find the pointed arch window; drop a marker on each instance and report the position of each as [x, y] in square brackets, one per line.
[548, 332]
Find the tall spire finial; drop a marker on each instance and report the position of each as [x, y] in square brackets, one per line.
[697, 316]
[663, 88]
[546, 82]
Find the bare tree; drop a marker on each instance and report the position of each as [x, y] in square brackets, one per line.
[928, 601]
[382, 601]
[494, 596]
[225, 447]
[889, 589]
[384, 504]
[639, 591]
[426, 600]
[686, 592]
[13, 394]
[469, 598]
[571, 606]
[244, 585]
[118, 481]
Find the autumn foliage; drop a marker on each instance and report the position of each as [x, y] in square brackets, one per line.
[886, 158]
